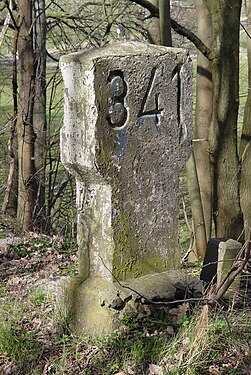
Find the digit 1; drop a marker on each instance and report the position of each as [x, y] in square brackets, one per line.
[176, 78]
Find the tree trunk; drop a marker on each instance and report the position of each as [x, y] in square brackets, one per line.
[9, 206]
[223, 131]
[197, 210]
[203, 115]
[245, 145]
[39, 109]
[165, 23]
[198, 166]
[27, 188]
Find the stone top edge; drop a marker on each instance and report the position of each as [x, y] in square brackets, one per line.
[122, 49]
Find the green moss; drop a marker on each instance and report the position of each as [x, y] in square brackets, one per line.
[126, 248]
[83, 254]
[103, 159]
[89, 314]
[131, 259]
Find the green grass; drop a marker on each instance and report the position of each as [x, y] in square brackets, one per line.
[23, 346]
[128, 350]
[18, 343]
[211, 340]
[205, 339]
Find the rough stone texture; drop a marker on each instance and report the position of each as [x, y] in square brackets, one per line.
[9, 240]
[98, 305]
[227, 253]
[128, 175]
[126, 135]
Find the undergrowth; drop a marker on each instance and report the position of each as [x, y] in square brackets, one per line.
[19, 347]
[35, 339]
[33, 342]
[215, 342]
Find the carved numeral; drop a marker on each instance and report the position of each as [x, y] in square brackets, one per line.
[150, 103]
[177, 81]
[117, 113]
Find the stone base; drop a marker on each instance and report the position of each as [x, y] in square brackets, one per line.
[90, 313]
[97, 305]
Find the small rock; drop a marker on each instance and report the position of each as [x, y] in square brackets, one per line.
[9, 241]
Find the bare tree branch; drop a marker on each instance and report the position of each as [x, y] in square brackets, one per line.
[154, 11]
[9, 6]
[5, 26]
[181, 30]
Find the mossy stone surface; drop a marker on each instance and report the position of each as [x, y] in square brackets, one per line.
[127, 133]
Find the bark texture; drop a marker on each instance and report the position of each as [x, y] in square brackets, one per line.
[203, 115]
[9, 206]
[27, 188]
[197, 209]
[39, 109]
[223, 131]
[245, 145]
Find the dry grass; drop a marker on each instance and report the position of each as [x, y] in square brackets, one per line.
[34, 340]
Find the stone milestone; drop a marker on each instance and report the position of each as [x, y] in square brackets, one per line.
[126, 136]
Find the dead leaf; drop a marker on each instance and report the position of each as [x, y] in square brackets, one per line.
[214, 371]
[49, 257]
[14, 280]
[180, 311]
[155, 370]
[9, 370]
[169, 367]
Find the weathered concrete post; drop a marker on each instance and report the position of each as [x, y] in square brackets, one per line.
[126, 135]
[227, 254]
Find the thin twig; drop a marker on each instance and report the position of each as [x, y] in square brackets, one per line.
[181, 30]
[190, 230]
[202, 299]
[245, 30]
